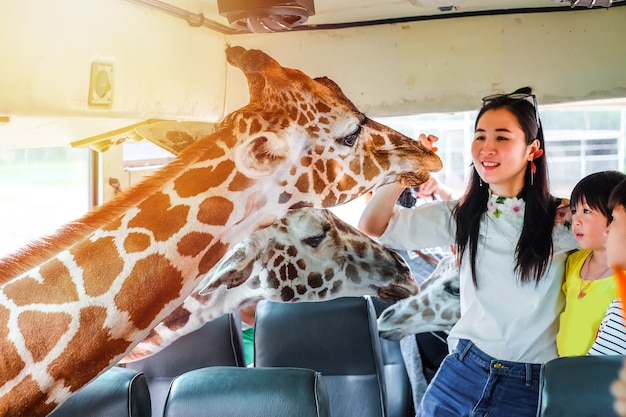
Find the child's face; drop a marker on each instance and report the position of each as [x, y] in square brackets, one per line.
[616, 239]
[588, 226]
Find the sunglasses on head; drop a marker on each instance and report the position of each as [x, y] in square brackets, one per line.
[512, 97]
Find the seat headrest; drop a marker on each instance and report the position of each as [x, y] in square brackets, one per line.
[243, 392]
[286, 328]
[117, 392]
[218, 342]
[578, 386]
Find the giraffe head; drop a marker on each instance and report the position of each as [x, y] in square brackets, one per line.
[349, 153]
[436, 307]
[308, 255]
[311, 255]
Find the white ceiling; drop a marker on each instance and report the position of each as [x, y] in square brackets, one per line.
[339, 13]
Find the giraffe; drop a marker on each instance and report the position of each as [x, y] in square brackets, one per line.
[308, 255]
[73, 304]
[436, 307]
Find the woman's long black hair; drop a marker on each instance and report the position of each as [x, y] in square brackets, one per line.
[534, 248]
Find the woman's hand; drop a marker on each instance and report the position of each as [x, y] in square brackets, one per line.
[428, 141]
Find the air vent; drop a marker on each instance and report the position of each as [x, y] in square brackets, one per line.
[261, 16]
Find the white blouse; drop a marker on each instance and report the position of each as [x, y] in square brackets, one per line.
[503, 317]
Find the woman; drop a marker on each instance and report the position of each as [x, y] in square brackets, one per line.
[512, 241]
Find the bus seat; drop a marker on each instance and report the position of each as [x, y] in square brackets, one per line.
[117, 392]
[244, 392]
[338, 338]
[578, 386]
[397, 383]
[217, 343]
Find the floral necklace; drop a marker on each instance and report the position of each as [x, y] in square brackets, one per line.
[499, 205]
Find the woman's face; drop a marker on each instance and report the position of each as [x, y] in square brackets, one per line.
[500, 153]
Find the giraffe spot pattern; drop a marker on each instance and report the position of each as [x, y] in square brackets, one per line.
[332, 169]
[254, 282]
[114, 225]
[288, 272]
[100, 271]
[322, 107]
[37, 342]
[314, 279]
[198, 180]
[240, 182]
[57, 286]
[192, 244]
[83, 359]
[353, 274]
[355, 167]
[272, 280]
[428, 314]
[12, 363]
[255, 126]
[284, 197]
[212, 257]
[287, 294]
[336, 288]
[136, 242]
[178, 318]
[329, 274]
[158, 215]
[215, 210]
[161, 283]
[302, 184]
[25, 399]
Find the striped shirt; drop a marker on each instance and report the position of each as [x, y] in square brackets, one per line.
[611, 338]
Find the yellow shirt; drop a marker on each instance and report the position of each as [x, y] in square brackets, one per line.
[581, 317]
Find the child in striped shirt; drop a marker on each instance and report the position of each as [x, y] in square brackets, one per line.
[616, 258]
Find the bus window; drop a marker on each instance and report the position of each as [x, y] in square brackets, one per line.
[41, 189]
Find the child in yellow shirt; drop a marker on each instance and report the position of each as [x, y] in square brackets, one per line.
[589, 285]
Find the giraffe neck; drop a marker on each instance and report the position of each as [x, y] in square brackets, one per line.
[137, 264]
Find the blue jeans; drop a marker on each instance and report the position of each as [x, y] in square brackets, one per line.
[471, 383]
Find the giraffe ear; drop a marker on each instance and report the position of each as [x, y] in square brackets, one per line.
[261, 155]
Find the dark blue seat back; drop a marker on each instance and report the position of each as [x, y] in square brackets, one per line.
[338, 338]
[244, 392]
[217, 343]
[118, 392]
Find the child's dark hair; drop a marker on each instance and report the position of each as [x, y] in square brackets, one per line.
[595, 189]
[534, 247]
[618, 196]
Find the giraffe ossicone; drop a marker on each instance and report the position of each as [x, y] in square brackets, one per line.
[101, 283]
[437, 306]
[308, 255]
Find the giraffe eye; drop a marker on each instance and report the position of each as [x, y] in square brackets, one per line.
[350, 139]
[451, 289]
[314, 241]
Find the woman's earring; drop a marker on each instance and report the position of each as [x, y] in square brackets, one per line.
[533, 167]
